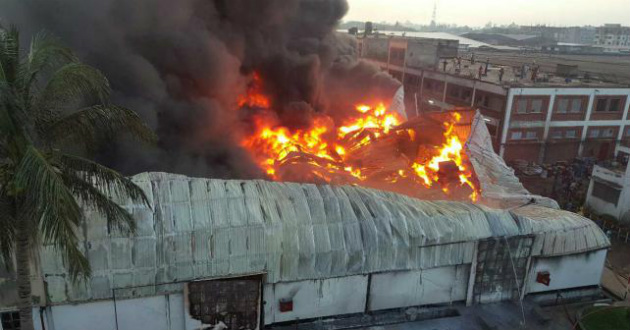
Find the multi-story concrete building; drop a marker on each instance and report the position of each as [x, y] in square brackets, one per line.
[613, 35]
[555, 116]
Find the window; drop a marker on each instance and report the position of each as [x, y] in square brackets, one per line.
[601, 105]
[614, 105]
[608, 133]
[531, 135]
[608, 105]
[522, 106]
[467, 94]
[556, 135]
[606, 192]
[412, 80]
[530, 105]
[571, 134]
[576, 106]
[537, 106]
[516, 135]
[563, 105]
[10, 321]
[594, 133]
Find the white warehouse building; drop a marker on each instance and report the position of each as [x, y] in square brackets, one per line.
[256, 253]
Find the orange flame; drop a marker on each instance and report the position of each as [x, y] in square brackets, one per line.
[373, 118]
[330, 148]
[451, 150]
[254, 98]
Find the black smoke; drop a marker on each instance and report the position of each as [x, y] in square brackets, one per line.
[182, 65]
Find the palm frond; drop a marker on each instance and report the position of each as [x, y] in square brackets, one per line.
[53, 207]
[46, 53]
[97, 123]
[117, 217]
[9, 53]
[7, 124]
[73, 84]
[112, 183]
[7, 230]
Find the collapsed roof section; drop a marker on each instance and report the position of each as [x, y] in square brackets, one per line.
[500, 188]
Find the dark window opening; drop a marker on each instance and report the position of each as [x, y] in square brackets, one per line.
[10, 321]
[606, 192]
[608, 105]
[601, 105]
[614, 105]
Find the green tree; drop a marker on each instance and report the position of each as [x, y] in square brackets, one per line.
[54, 110]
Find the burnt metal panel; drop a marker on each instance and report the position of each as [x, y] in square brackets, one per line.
[233, 301]
[501, 268]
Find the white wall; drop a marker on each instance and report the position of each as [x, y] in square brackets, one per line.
[319, 298]
[93, 316]
[572, 271]
[419, 287]
[603, 207]
[156, 313]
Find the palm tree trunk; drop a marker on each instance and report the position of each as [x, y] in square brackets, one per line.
[25, 305]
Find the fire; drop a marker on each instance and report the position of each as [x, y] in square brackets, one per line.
[331, 151]
[375, 118]
[255, 98]
[274, 144]
[452, 150]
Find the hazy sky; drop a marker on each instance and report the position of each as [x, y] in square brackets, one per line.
[479, 12]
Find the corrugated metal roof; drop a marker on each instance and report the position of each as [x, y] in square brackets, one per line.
[559, 232]
[200, 228]
[500, 188]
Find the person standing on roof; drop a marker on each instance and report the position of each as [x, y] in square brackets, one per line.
[485, 73]
[480, 71]
[501, 72]
[444, 65]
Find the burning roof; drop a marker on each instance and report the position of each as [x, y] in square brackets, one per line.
[373, 146]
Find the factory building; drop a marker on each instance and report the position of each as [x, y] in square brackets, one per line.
[535, 112]
[258, 253]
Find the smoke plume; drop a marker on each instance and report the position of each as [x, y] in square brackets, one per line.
[183, 64]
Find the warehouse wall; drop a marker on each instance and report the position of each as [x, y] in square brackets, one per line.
[571, 271]
[418, 287]
[165, 312]
[319, 298]
[322, 298]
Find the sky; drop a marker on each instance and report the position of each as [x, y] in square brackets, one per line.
[480, 12]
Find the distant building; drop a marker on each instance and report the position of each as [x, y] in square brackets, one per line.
[559, 115]
[514, 40]
[584, 35]
[572, 48]
[613, 35]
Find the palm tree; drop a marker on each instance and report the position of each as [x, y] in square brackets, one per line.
[53, 109]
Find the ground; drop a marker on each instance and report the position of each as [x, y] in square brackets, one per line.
[505, 315]
[606, 318]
